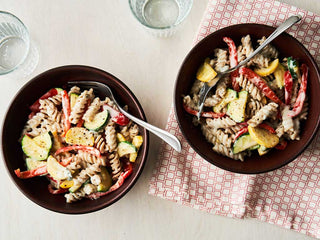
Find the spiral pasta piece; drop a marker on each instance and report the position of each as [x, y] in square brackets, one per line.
[74, 89]
[222, 62]
[76, 196]
[109, 102]
[253, 106]
[265, 112]
[223, 138]
[208, 133]
[287, 121]
[233, 129]
[190, 103]
[92, 110]
[115, 165]
[79, 107]
[224, 122]
[86, 173]
[77, 163]
[85, 156]
[56, 99]
[249, 87]
[111, 138]
[245, 49]
[212, 100]
[269, 51]
[49, 108]
[100, 143]
[133, 131]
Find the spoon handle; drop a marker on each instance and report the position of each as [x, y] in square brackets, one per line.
[167, 137]
[284, 26]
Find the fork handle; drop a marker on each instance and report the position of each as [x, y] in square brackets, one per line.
[284, 26]
[164, 135]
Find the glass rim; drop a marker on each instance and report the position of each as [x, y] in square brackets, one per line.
[27, 42]
[161, 28]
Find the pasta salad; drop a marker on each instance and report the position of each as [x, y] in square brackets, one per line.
[258, 107]
[82, 144]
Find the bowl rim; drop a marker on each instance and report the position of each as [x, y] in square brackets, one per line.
[144, 151]
[195, 148]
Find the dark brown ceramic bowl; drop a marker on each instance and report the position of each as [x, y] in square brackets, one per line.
[287, 46]
[36, 188]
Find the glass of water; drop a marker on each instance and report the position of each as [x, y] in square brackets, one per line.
[161, 17]
[14, 42]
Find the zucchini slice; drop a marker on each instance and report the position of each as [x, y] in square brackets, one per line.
[230, 96]
[236, 108]
[33, 164]
[33, 150]
[242, 143]
[59, 89]
[125, 148]
[98, 122]
[44, 140]
[73, 99]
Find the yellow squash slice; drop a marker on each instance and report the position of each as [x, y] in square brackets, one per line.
[57, 171]
[206, 72]
[79, 136]
[263, 137]
[270, 69]
[279, 76]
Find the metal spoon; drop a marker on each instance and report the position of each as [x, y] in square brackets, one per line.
[164, 135]
[208, 86]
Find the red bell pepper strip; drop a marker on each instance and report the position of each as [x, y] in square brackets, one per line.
[35, 107]
[90, 150]
[116, 116]
[267, 127]
[232, 51]
[81, 121]
[297, 107]
[282, 145]
[288, 83]
[233, 56]
[240, 132]
[31, 173]
[260, 84]
[203, 114]
[66, 111]
[66, 161]
[125, 174]
[57, 191]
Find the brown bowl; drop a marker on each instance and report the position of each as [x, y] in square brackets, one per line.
[287, 46]
[36, 188]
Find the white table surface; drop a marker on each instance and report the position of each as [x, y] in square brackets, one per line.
[104, 34]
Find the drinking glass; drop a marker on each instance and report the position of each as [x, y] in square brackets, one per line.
[161, 17]
[16, 50]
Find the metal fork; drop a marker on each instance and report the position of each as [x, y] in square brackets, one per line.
[208, 86]
[164, 135]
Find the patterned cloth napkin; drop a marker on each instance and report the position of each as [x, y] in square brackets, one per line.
[288, 197]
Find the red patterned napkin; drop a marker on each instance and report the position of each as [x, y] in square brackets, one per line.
[290, 196]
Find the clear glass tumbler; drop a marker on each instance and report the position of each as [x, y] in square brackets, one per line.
[14, 42]
[161, 17]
